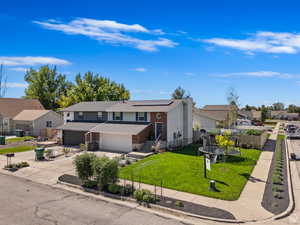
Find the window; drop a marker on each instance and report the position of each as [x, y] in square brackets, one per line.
[80, 115]
[141, 116]
[117, 116]
[100, 116]
[49, 124]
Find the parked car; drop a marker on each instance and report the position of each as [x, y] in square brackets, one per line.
[292, 131]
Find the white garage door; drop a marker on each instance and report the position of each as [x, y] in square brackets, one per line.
[118, 143]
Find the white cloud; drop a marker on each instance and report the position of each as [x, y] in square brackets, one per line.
[266, 74]
[262, 41]
[190, 74]
[19, 69]
[16, 85]
[141, 69]
[110, 32]
[31, 61]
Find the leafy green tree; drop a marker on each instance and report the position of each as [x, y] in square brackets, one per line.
[264, 112]
[293, 109]
[179, 93]
[83, 166]
[105, 171]
[92, 87]
[278, 106]
[46, 85]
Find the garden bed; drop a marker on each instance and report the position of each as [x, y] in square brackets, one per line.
[172, 203]
[271, 201]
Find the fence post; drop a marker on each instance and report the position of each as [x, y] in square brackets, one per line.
[161, 196]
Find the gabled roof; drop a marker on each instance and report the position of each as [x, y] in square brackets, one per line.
[125, 106]
[10, 107]
[30, 115]
[218, 115]
[90, 106]
[114, 128]
[75, 126]
[219, 107]
[145, 106]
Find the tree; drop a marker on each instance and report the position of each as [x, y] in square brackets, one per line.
[3, 80]
[278, 106]
[92, 87]
[105, 171]
[264, 113]
[232, 97]
[293, 109]
[46, 85]
[180, 93]
[223, 141]
[83, 166]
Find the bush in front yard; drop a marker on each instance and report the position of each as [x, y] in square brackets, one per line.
[105, 171]
[83, 165]
[114, 188]
[143, 195]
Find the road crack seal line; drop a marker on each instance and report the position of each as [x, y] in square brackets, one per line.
[46, 217]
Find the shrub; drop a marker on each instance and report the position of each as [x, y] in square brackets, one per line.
[277, 180]
[83, 166]
[254, 132]
[82, 147]
[22, 164]
[277, 188]
[277, 195]
[143, 195]
[114, 188]
[179, 204]
[127, 190]
[105, 171]
[90, 184]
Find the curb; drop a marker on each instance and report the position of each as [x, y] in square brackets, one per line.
[156, 207]
[178, 213]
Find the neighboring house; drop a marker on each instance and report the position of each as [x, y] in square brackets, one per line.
[252, 115]
[10, 107]
[284, 115]
[127, 125]
[206, 121]
[215, 116]
[35, 122]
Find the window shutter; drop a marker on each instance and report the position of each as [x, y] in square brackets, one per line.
[145, 116]
[113, 116]
[121, 115]
[136, 116]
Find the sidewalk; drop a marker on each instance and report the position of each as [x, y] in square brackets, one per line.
[251, 196]
[247, 207]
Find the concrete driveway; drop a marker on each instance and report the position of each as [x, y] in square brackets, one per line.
[46, 172]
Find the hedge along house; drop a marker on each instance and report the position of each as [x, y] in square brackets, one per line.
[10, 107]
[128, 125]
[35, 122]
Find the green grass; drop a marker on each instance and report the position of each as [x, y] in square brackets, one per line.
[18, 139]
[22, 148]
[183, 171]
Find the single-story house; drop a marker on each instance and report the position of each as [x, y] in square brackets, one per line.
[124, 126]
[10, 107]
[35, 122]
[284, 115]
[214, 116]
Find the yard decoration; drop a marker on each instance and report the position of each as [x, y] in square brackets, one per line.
[224, 142]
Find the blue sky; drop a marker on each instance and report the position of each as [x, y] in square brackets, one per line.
[154, 46]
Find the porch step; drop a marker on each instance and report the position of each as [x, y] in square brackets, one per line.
[147, 147]
[139, 155]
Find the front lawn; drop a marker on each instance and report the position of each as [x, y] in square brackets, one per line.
[183, 171]
[22, 148]
[18, 139]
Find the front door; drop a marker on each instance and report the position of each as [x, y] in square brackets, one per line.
[158, 130]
